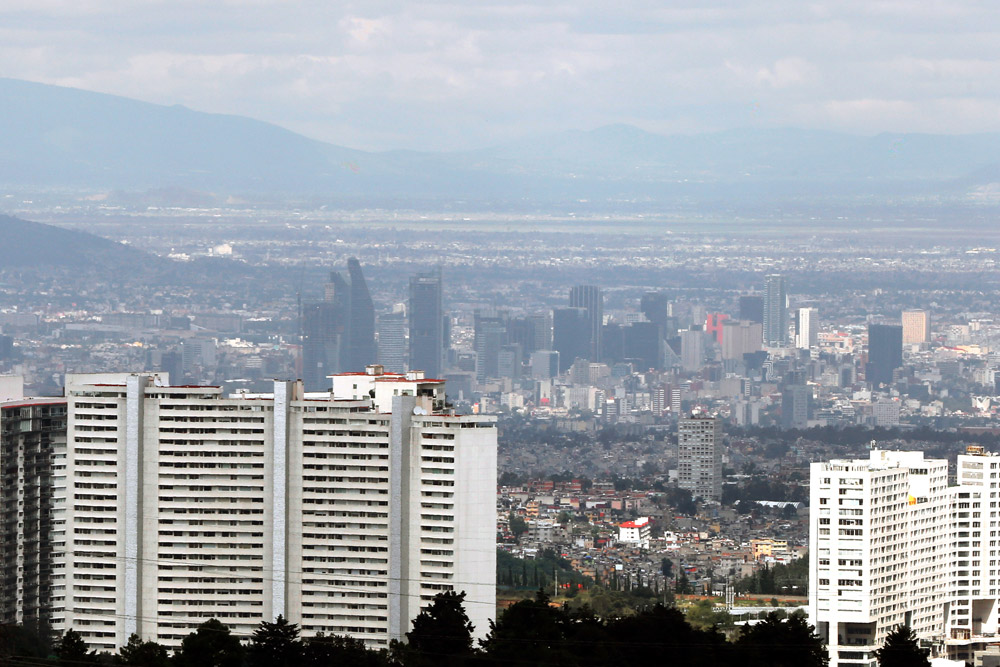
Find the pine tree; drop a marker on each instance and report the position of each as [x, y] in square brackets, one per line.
[902, 650]
[210, 645]
[71, 649]
[442, 633]
[139, 653]
[275, 645]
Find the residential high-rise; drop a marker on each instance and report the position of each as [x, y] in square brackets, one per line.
[752, 308]
[885, 353]
[361, 350]
[426, 316]
[392, 341]
[891, 543]
[714, 325]
[32, 454]
[344, 511]
[775, 311]
[591, 298]
[699, 456]
[916, 326]
[806, 328]
[570, 335]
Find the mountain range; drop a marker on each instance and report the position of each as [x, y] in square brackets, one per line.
[56, 137]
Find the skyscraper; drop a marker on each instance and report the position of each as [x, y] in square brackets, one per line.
[326, 334]
[699, 456]
[321, 510]
[752, 309]
[885, 353]
[775, 311]
[392, 341]
[426, 316]
[490, 334]
[806, 328]
[591, 298]
[916, 327]
[570, 335]
[362, 351]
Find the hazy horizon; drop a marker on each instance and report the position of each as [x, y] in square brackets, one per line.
[453, 76]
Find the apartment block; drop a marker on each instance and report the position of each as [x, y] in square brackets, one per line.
[343, 512]
[891, 543]
[699, 456]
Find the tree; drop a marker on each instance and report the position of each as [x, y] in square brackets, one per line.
[325, 651]
[442, 633]
[780, 643]
[667, 568]
[527, 623]
[275, 645]
[210, 645]
[71, 649]
[139, 653]
[21, 642]
[902, 650]
[518, 526]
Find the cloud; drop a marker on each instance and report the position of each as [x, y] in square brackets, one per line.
[448, 74]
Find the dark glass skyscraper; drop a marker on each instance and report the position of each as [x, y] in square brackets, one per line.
[570, 335]
[752, 308]
[326, 334]
[426, 315]
[775, 311]
[885, 353]
[362, 326]
[591, 298]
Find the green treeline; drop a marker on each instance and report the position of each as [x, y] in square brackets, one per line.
[791, 579]
[532, 632]
[538, 572]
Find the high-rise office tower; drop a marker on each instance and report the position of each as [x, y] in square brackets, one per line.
[795, 406]
[544, 364]
[885, 353]
[490, 334]
[591, 298]
[344, 512]
[32, 454]
[699, 456]
[392, 341]
[692, 349]
[891, 544]
[740, 337]
[806, 328]
[570, 335]
[916, 327]
[326, 334]
[775, 311]
[713, 325]
[752, 309]
[427, 327]
[656, 307]
[361, 350]
[643, 345]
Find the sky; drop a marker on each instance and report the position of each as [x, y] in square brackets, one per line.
[446, 75]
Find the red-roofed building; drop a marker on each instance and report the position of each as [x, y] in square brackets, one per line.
[636, 532]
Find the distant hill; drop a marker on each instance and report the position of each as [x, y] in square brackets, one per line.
[53, 137]
[34, 245]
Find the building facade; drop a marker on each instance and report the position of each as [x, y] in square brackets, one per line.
[699, 456]
[885, 353]
[775, 311]
[891, 543]
[591, 298]
[425, 311]
[344, 512]
[916, 326]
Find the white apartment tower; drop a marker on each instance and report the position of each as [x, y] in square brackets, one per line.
[699, 456]
[891, 544]
[344, 512]
[806, 328]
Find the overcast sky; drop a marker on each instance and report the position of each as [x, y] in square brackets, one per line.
[466, 74]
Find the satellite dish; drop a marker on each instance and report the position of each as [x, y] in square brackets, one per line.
[419, 411]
